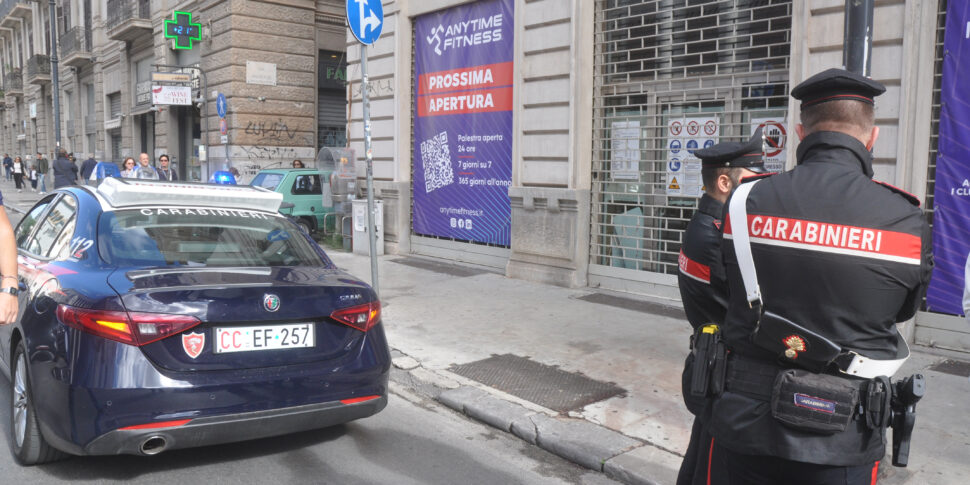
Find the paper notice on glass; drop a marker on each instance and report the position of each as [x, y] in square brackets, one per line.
[625, 161]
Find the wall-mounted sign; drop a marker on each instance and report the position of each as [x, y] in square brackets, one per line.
[171, 77]
[182, 31]
[179, 95]
[261, 73]
[33, 110]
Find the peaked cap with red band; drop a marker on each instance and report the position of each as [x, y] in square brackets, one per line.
[747, 154]
[836, 84]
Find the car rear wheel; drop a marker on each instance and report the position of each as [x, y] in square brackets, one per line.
[305, 225]
[29, 445]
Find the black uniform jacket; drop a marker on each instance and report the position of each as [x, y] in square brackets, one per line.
[839, 254]
[702, 282]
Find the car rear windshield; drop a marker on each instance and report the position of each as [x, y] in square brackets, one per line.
[267, 180]
[174, 236]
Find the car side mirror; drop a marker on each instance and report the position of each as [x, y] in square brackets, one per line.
[287, 205]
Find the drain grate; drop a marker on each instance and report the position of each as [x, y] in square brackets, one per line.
[443, 268]
[542, 384]
[635, 305]
[954, 367]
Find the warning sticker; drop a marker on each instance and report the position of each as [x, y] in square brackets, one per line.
[685, 136]
[776, 138]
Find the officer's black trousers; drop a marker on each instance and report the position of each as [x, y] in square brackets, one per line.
[703, 463]
[770, 470]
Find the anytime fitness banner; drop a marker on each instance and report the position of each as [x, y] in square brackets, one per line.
[951, 218]
[463, 122]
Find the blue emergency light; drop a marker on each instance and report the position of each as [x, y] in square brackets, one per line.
[222, 177]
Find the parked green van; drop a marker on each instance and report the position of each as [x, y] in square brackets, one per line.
[301, 187]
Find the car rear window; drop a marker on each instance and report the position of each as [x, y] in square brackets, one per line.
[174, 236]
[267, 180]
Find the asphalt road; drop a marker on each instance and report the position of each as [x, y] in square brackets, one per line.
[413, 441]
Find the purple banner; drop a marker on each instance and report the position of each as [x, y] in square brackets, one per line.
[951, 215]
[463, 122]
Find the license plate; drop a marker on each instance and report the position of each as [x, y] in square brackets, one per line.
[265, 337]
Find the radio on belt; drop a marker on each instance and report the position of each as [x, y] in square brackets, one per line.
[122, 193]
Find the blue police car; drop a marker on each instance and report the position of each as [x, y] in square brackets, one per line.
[159, 315]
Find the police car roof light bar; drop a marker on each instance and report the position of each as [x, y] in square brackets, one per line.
[123, 193]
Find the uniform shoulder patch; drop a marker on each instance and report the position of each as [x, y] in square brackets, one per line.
[717, 224]
[906, 195]
[757, 176]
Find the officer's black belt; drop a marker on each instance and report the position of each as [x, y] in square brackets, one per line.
[755, 378]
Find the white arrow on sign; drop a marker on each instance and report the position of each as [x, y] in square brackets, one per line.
[368, 21]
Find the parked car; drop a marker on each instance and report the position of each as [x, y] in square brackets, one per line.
[159, 315]
[302, 187]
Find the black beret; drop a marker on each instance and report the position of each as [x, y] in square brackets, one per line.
[836, 84]
[749, 154]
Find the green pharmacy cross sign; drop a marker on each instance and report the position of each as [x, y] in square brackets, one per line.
[182, 31]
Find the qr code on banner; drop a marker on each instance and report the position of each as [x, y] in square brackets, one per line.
[436, 157]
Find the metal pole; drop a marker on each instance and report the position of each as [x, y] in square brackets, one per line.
[55, 82]
[857, 50]
[370, 170]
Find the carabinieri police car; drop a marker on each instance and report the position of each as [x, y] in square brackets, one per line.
[158, 315]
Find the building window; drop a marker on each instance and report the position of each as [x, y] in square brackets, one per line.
[114, 105]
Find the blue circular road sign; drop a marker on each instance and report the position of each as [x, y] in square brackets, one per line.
[674, 146]
[691, 146]
[366, 19]
[221, 105]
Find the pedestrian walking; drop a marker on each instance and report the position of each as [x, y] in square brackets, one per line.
[8, 166]
[18, 173]
[65, 172]
[704, 292]
[43, 167]
[33, 178]
[87, 168]
[164, 171]
[822, 263]
[144, 170]
[128, 168]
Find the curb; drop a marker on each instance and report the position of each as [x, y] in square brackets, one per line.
[619, 457]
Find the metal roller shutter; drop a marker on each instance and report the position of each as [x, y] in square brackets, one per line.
[663, 68]
[332, 118]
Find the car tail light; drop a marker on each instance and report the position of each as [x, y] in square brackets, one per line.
[361, 317]
[131, 328]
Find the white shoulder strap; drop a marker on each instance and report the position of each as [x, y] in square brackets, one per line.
[738, 212]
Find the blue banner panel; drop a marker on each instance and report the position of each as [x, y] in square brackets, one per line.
[951, 216]
[463, 122]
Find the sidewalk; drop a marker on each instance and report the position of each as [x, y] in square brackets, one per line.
[438, 316]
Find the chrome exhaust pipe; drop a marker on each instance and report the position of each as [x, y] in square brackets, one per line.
[153, 445]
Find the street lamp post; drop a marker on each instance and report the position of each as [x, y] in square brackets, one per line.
[55, 82]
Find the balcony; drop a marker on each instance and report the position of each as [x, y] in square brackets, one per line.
[129, 20]
[76, 47]
[11, 10]
[39, 69]
[13, 83]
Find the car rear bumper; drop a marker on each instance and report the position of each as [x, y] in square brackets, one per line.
[213, 430]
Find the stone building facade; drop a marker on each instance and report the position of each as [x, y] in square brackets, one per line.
[269, 59]
[591, 77]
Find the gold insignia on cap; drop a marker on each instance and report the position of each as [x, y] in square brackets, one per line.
[795, 345]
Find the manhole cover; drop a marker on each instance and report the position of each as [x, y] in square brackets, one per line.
[443, 268]
[542, 384]
[635, 305]
[954, 367]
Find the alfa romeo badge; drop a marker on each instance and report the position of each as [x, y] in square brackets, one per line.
[271, 302]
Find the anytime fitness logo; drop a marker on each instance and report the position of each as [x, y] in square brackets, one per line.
[467, 33]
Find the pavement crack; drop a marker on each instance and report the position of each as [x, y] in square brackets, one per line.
[535, 426]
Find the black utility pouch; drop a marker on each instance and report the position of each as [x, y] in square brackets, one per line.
[817, 403]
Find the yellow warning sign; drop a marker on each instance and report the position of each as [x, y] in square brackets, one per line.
[673, 184]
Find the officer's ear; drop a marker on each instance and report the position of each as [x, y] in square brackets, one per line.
[724, 184]
[800, 130]
[872, 138]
